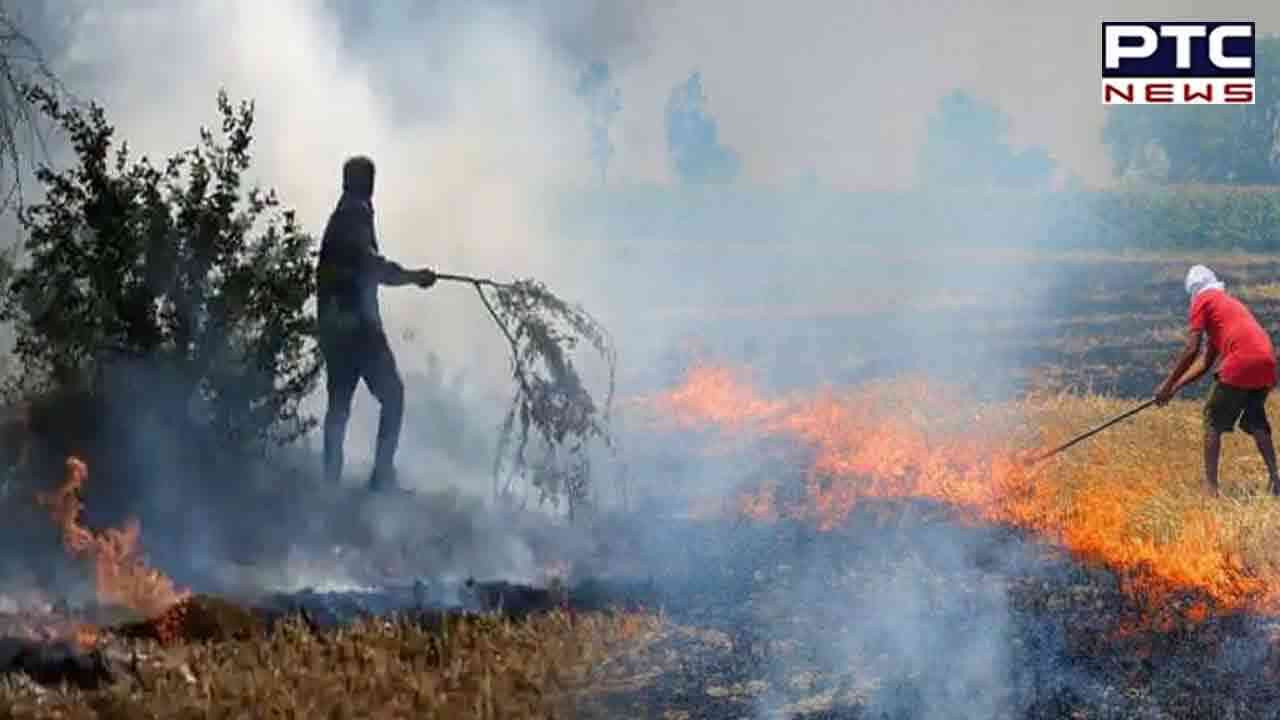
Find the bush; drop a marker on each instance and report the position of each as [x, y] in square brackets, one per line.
[196, 282]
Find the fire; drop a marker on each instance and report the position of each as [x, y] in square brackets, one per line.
[715, 395]
[907, 440]
[121, 575]
[47, 627]
[86, 636]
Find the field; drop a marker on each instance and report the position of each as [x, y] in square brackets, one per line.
[1003, 324]
[873, 544]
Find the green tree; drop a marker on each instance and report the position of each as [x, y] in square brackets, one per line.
[693, 140]
[1215, 144]
[604, 100]
[198, 280]
[21, 62]
[967, 145]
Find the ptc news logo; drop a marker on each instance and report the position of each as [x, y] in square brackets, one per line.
[1177, 63]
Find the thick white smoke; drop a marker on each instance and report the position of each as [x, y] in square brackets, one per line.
[469, 109]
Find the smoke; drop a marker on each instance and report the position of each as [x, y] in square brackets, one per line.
[932, 602]
[484, 148]
[842, 89]
[468, 109]
[484, 152]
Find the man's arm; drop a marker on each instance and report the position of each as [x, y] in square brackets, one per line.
[385, 271]
[1189, 367]
[393, 274]
[1202, 365]
[381, 269]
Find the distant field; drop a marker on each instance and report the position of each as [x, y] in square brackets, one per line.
[1004, 323]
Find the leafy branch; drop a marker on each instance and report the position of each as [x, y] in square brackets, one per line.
[551, 407]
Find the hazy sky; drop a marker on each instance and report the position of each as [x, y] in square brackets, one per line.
[837, 88]
[844, 87]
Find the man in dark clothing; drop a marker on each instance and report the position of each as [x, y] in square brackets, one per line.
[351, 336]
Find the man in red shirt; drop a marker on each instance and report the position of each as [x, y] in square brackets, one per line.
[1245, 376]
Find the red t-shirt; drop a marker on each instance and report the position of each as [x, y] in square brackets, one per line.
[1247, 359]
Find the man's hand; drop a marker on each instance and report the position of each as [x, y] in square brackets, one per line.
[424, 278]
[1165, 393]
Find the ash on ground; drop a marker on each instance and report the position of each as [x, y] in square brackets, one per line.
[909, 611]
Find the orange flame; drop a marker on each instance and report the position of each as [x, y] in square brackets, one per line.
[121, 575]
[86, 636]
[867, 444]
[46, 627]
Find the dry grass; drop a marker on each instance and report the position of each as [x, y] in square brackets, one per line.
[1260, 291]
[467, 668]
[1129, 498]
[1134, 493]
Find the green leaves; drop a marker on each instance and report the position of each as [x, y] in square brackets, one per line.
[967, 146]
[1203, 144]
[551, 403]
[1185, 218]
[176, 265]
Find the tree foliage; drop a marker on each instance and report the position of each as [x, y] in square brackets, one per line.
[21, 63]
[1218, 217]
[967, 146]
[597, 89]
[553, 418]
[1215, 144]
[693, 137]
[178, 269]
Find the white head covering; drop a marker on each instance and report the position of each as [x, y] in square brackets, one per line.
[1201, 278]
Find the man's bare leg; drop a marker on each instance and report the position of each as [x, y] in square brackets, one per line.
[1262, 438]
[1212, 448]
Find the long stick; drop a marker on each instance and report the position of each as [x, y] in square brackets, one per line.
[469, 279]
[1094, 431]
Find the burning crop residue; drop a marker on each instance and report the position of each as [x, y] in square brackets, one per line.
[907, 439]
[121, 575]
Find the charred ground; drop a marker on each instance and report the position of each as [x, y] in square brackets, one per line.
[908, 611]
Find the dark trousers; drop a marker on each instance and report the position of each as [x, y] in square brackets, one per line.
[349, 358]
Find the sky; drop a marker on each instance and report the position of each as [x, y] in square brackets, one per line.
[836, 89]
[843, 89]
